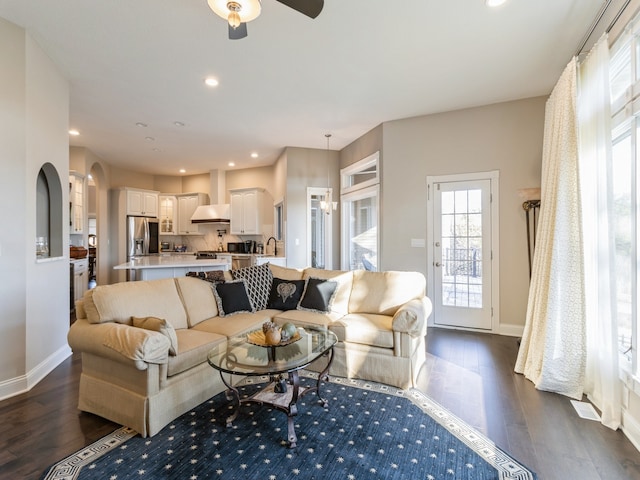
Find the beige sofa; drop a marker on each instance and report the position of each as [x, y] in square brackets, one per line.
[130, 377]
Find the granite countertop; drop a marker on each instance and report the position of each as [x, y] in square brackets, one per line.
[168, 261]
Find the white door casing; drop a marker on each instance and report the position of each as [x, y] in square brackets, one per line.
[462, 222]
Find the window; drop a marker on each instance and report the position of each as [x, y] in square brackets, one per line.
[360, 214]
[622, 166]
[624, 190]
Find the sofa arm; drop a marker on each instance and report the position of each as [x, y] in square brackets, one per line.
[411, 318]
[119, 342]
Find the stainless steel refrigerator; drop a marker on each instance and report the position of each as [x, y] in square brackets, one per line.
[142, 236]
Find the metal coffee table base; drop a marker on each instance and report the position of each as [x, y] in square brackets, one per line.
[284, 401]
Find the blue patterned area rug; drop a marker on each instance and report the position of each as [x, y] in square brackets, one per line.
[368, 431]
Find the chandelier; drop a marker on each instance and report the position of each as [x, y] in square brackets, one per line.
[327, 205]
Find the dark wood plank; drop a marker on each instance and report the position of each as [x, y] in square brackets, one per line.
[471, 374]
[540, 429]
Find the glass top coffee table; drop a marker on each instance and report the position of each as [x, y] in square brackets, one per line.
[281, 364]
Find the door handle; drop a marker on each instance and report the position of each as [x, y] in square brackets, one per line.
[438, 264]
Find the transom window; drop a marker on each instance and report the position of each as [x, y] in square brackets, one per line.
[359, 197]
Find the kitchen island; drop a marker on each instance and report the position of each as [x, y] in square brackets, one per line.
[153, 267]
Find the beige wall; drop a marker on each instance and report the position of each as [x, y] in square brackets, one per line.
[175, 184]
[34, 298]
[261, 177]
[195, 183]
[308, 168]
[364, 146]
[14, 187]
[167, 184]
[505, 137]
[128, 178]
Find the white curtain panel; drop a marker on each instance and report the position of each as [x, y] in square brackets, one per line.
[553, 348]
[594, 120]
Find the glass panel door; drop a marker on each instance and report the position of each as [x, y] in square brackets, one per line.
[319, 229]
[462, 254]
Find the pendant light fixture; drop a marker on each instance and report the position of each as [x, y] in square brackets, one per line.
[236, 11]
[327, 204]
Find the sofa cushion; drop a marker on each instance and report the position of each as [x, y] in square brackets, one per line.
[344, 279]
[285, 294]
[116, 341]
[365, 329]
[193, 348]
[302, 317]
[285, 273]
[318, 295]
[232, 298]
[258, 278]
[237, 325]
[158, 325]
[384, 292]
[198, 298]
[121, 301]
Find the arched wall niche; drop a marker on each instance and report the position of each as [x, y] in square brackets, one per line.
[49, 211]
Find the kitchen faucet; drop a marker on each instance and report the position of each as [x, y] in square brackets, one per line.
[275, 245]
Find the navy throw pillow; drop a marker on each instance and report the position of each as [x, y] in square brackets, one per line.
[232, 297]
[318, 295]
[285, 294]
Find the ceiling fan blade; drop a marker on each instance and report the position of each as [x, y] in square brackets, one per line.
[239, 32]
[310, 8]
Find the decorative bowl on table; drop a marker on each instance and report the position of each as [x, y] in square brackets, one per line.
[258, 337]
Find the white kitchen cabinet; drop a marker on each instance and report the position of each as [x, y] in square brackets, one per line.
[247, 207]
[187, 204]
[142, 202]
[76, 203]
[168, 214]
[80, 278]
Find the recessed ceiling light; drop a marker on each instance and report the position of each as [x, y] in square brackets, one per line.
[182, 170]
[211, 82]
[74, 132]
[494, 3]
[149, 139]
[140, 124]
[178, 124]
[231, 164]
[254, 155]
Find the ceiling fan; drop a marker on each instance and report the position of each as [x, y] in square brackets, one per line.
[239, 12]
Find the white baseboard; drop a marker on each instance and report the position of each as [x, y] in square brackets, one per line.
[631, 428]
[24, 383]
[510, 330]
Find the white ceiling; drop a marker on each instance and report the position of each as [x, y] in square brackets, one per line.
[293, 79]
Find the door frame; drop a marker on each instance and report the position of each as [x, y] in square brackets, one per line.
[328, 234]
[494, 177]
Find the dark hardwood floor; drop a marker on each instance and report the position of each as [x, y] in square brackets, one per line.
[470, 374]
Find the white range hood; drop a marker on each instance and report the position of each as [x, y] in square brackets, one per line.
[212, 214]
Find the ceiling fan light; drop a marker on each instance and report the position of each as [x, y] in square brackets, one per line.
[234, 19]
[246, 10]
